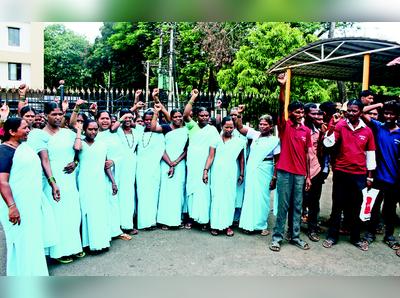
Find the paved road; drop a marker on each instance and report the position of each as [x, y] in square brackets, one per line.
[197, 253]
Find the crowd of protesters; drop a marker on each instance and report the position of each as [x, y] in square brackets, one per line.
[72, 182]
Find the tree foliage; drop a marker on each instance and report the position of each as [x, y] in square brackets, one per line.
[64, 52]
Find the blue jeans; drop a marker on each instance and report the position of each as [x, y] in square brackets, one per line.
[290, 188]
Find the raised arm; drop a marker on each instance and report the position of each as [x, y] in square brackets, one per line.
[75, 111]
[137, 102]
[93, 109]
[209, 162]
[64, 106]
[282, 81]
[240, 128]
[155, 93]
[118, 123]
[78, 139]
[154, 127]
[22, 99]
[4, 111]
[219, 117]
[189, 105]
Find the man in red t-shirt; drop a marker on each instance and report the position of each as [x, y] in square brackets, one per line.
[293, 169]
[352, 170]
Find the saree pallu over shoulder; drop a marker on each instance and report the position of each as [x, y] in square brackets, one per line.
[224, 178]
[93, 197]
[115, 152]
[127, 194]
[49, 228]
[198, 193]
[172, 191]
[67, 211]
[25, 249]
[256, 203]
[148, 177]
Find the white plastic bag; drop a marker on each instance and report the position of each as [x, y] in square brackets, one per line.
[369, 198]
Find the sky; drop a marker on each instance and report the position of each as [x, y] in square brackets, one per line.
[383, 30]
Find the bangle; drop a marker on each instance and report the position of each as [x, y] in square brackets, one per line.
[78, 139]
[51, 179]
[239, 116]
[191, 102]
[13, 203]
[218, 111]
[273, 177]
[154, 117]
[241, 175]
[76, 111]
[370, 179]
[76, 162]
[176, 161]
[120, 120]
[206, 170]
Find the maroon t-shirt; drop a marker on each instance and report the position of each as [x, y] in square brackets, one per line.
[295, 141]
[351, 156]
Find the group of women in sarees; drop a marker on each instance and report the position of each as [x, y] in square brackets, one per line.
[69, 189]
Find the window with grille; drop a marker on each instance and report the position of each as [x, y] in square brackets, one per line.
[14, 71]
[13, 36]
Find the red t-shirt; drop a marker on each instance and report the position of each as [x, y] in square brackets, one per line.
[351, 157]
[295, 141]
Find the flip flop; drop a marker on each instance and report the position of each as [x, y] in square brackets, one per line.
[124, 236]
[80, 255]
[361, 245]
[64, 260]
[264, 232]
[300, 244]
[188, 226]
[275, 246]
[214, 232]
[328, 243]
[165, 228]
[229, 232]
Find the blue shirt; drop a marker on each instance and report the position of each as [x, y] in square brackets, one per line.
[387, 152]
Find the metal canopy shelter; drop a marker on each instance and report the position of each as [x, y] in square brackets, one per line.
[356, 59]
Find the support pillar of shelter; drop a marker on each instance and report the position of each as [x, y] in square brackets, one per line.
[365, 84]
[287, 91]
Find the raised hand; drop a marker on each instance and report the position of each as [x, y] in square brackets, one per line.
[4, 111]
[138, 92]
[93, 108]
[22, 90]
[282, 78]
[64, 105]
[194, 93]
[79, 102]
[241, 108]
[157, 108]
[219, 103]
[156, 91]
[336, 118]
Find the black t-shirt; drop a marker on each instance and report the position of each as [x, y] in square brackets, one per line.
[6, 158]
[166, 128]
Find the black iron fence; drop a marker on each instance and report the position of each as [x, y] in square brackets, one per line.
[114, 100]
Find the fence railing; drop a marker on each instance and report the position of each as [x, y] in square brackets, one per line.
[114, 100]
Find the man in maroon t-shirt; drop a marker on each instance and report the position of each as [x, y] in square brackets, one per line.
[293, 169]
[352, 170]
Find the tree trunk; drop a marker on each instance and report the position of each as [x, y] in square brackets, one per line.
[342, 91]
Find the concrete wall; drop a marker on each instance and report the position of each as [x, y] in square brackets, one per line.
[29, 54]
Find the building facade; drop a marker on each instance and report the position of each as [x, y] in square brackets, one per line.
[21, 54]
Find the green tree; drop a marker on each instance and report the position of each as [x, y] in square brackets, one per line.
[64, 52]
